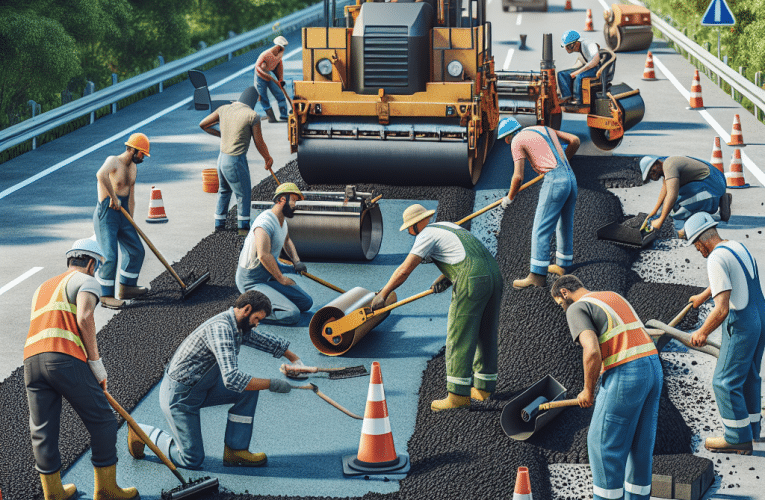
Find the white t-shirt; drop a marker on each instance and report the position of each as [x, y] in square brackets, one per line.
[82, 282]
[248, 258]
[439, 244]
[725, 273]
[589, 49]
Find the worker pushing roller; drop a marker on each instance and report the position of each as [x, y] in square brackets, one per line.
[471, 339]
[589, 60]
[270, 60]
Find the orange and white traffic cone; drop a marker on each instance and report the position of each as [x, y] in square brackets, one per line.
[522, 485]
[156, 207]
[696, 100]
[648, 72]
[377, 454]
[736, 138]
[568, 5]
[588, 22]
[717, 160]
[735, 177]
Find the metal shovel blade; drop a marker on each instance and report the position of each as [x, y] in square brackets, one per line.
[511, 420]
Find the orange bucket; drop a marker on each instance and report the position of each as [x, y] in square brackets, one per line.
[210, 180]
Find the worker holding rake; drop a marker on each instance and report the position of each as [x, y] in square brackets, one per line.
[467, 266]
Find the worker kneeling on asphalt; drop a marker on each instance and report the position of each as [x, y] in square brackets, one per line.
[61, 359]
[259, 267]
[588, 64]
[471, 338]
[689, 186]
[734, 282]
[204, 372]
[623, 428]
[557, 199]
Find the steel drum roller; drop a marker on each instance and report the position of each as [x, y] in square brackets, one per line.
[633, 110]
[627, 28]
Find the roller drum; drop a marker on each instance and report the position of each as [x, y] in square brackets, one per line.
[630, 38]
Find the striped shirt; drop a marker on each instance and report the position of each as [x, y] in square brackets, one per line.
[217, 341]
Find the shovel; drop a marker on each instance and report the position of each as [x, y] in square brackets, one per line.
[312, 387]
[498, 202]
[662, 340]
[317, 280]
[523, 415]
[712, 348]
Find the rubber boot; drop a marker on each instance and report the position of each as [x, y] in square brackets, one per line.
[555, 269]
[54, 490]
[479, 394]
[720, 445]
[450, 402]
[132, 292]
[530, 280]
[283, 114]
[106, 485]
[111, 303]
[243, 458]
[271, 117]
[135, 445]
[725, 201]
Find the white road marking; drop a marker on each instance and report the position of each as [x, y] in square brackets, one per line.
[748, 163]
[518, 20]
[19, 279]
[488, 2]
[509, 57]
[605, 5]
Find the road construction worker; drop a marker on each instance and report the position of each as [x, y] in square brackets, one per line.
[689, 186]
[259, 267]
[116, 189]
[238, 124]
[555, 209]
[617, 347]
[588, 62]
[734, 283]
[61, 359]
[471, 332]
[271, 61]
[204, 372]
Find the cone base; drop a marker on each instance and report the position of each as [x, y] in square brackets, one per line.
[694, 109]
[650, 79]
[153, 221]
[736, 145]
[739, 187]
[351, 467]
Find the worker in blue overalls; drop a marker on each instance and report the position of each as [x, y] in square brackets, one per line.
[734, 282]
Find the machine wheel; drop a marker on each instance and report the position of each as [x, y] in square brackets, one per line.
[505, 8]
[476, 162]
[600, 138]
[611, 41]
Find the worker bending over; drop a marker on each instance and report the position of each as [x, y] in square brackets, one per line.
[116, 188]
[471, 338]
[557, 199]
[689, 186]
[204, 372]
[270, 60]
[588, 64]
[616, 346]
[734, 283]
[238, 124]
[259, 267]
[61, 359]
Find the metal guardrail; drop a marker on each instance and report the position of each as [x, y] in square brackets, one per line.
[29, 129]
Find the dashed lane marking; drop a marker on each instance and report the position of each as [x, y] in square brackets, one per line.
[509, 58]
[18, 280]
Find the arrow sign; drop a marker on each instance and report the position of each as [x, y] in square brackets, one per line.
[718, 14]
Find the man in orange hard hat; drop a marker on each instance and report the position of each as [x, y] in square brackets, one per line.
[116, 188]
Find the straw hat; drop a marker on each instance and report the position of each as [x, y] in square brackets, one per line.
[414, 214]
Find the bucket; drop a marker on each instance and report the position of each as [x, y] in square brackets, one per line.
[210, 180]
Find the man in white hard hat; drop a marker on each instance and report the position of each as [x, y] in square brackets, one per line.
[61, 359]
[270, 60]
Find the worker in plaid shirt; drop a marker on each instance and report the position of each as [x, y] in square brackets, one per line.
[204, 372]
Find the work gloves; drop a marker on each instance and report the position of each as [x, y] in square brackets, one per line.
[378, 302]
[282, 83]
[441, 284]
[289, 370]
[299, 267]
[97, 367]
[506, 201]
[280, 386]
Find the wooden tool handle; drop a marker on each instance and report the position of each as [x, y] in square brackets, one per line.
[677, 319]
[274, 176]
[498, 202]
[401, 302]
[317, 280]
[558, 404]
[141, 434]
[326, 398]
[282, 89]
[375, 199]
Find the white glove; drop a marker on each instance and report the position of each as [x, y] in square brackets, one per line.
[506, 201]
[97, 367]
[285, 369]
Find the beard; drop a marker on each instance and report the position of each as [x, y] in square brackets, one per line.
[136, 159]
[288, 211]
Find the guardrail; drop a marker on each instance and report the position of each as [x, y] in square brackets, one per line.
[29, 129]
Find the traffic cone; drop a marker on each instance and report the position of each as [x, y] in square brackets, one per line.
[568, 5]
[735, 178]
[156, 207]
[648, 72]
[522, 485]
[588, 22]
[696, 101]
[377, 454]
[736, 138]
[716, 160]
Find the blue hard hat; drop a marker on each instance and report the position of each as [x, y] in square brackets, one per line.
[568, 37]
[697, 224]
[507, 126]
[647, 162]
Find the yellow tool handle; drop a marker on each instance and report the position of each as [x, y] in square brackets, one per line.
[274, 176]
[677, 319]
[317, 280]
[401, 302]
[375, 199]
[498, 202]
[558, 404]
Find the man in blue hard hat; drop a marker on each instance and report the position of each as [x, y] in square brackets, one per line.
[734, 283]
[588, 62]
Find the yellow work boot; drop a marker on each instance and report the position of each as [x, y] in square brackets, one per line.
[720, 445]
[106, 485]
[479, 394]
[451, 401]
[555, 269]
[530, 280]
[243, 458]
[54, 490]
[135, 445]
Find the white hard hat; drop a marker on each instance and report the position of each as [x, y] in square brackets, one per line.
[86, 247]
[697, 224]
[281, 41]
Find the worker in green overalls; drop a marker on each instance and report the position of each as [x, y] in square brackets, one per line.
[471, 338]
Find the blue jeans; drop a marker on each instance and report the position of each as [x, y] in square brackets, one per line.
[287, 302]
[233, 177]
[181, 404]
[113, 230]
[555, 209]
[263, 87]
[623, 429]
[699, 196]
[564, 81]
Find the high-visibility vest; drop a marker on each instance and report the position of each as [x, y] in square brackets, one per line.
[626, 338]
[53, 327]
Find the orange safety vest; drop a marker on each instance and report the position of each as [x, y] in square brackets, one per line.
[53, 327]
[626, 338]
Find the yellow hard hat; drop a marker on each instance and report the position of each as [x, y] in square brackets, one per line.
[140, 142]
[414, 214]
[287, 187]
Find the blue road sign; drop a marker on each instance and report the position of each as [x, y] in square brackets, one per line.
[718, 14]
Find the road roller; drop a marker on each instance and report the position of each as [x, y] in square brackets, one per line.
[627, 27]
[404, 94]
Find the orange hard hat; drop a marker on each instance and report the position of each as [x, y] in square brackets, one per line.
[140, 142]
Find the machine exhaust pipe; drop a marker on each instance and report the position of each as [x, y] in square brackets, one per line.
[547, 52]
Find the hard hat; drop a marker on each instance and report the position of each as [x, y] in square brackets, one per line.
[569, 37]
[647, 162]
[140, 142]
[287, 187]
[249, 97]
[414, 214]
[281, 41]
[507, 126]
[86, 247]
[697, 224]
